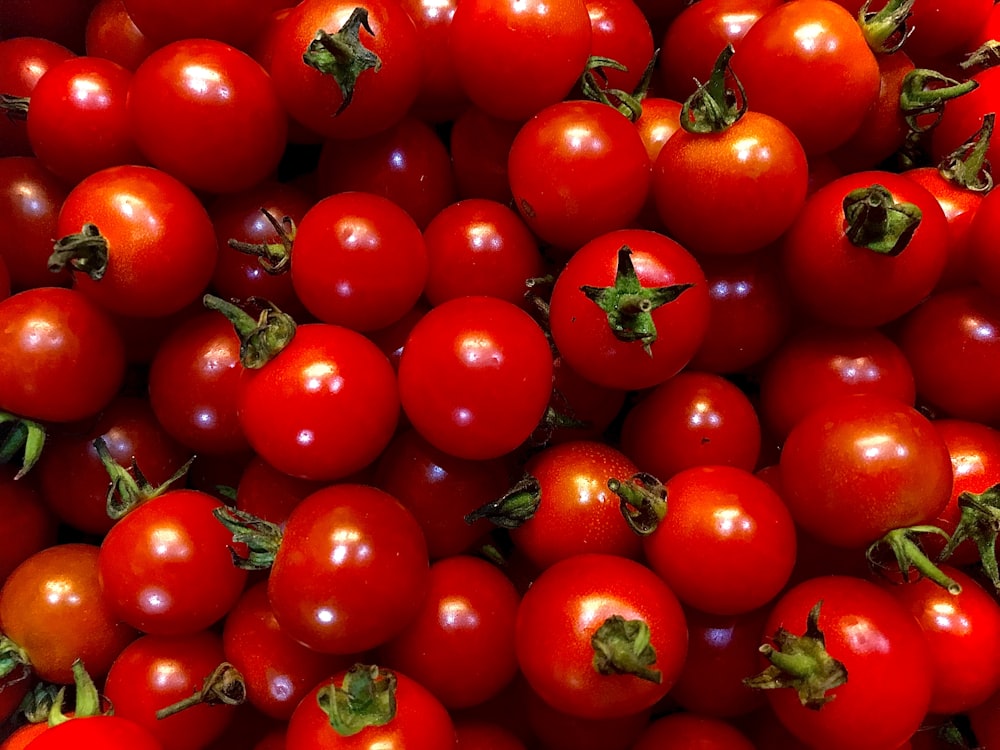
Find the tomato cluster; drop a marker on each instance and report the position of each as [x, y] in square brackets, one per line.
[499, 374]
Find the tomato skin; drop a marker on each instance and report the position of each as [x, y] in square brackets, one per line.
[380, 99]
[30, 198]
[566, 605]
[807, 64]
[166, 568]
[493, 42]
[889, 675]
[420, 723]
[842, 284]
[108, 732]
[580, 328]
[235, 22]
[754, 171]
[441, 97]
[555, 730]
[475, 377]
[161, 245]
[112, 34]
[862, 465]
[23, 62]
[46, 333]
[483, 735]
[620, 32]
[351, 571]
[985, 265]
[741, 526]
[30, 527]
[578, 169]
[691, 732]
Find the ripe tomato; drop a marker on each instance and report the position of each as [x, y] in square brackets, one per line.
[475, 377]
[233, 21]
[441, 97]
[158, 248]
[859, 466]
[691, 732]
[107, 732]
[889, 678]
[599, 675]
[23, 62]
[623, 345]
[30, 527]
[479, 145]
[50, 334]
[964, 116]
[984, 265]
[112, 34]
[620, 31]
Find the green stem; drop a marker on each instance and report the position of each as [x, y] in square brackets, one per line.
[714, 106]
[87, 702]
[365, 698]
[877, 222]
[886, 31]
[20, 437]
[224, 686]
[261, 339]
[986, 56]
[643, 501]
[909, 555]
[275, 258]
[513, 509]
[967, 166]
[343, 56]
[85, 252]
[925, 92]
[630, 105]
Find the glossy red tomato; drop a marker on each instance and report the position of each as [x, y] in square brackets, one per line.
[620, 32]
[49, 334]
[475, 377]
[359, 261]
[555, 730]
[686, 731]
[30, 526]
[351, 570]
[862, 465]
[208, 114]
[166, 567]
[441, 97]
[585, 333]
[419, 721]
[563, 611]
[479, 145]
[807, 63]
[984, 265]
[108, 732]
[267, 493]
[324, 407]
[53, 609]
[159, 248]
[23, 62]
[483, 735]
[889, 676]
[112, 34]
[543, 46]
[233, 21]
[578, 169]
[377, 99]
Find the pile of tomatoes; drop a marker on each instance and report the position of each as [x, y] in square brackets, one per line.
[499, 374]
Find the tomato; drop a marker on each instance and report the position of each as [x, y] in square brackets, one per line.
[47, 335]
[441, 97]
[983, 264]
[30, 199]
[578, 169]
[377, 99]
[482, 735]
[232, 21]
[951, 341]
[807, 63]
[359, 261]
[564, 610]
[324, 407]
[157, 671]
[983, 720]
[649, 347]
[267, 493]
[52, 607]
[620, 32]
[727, 543]
[475, 377]
[693, 419]
[351, 570]
[112, 34]
[479, 247]
[166, 567]
[963, 117]
[859, 466]
[479, 144]
[889, 677]
[29, 528]
[555, 730]
[889, 266]
[418, 722]
[77, 118]
[74, 481]
[820, 364]
[515, 58]
[109, 732]
[278, 670]
[158, 247]
[691, 732]
[207, 114]
[460, 646]
[23, 62]
[406, 163]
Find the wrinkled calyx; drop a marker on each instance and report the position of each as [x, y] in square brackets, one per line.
[274, 257]
[343, 56]
[643, 501]
[365, 698]
[876, 221]
[924, 92]
[886, 30]
[261, 537]
[261, 338]
[225, 686]
[623, 647]
[905, 547]
[715, 105]
[980, 522]
[84, 252]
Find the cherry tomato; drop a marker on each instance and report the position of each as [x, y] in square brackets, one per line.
[691, 732]
[30, 199]
[108, 732]
[232, 21]
[620, 32]
[267, 493]
[112, 34]
[483, 735]
[23, 62]
[30, 527]
[441, 97]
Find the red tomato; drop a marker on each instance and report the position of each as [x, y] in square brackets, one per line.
[560, 616]
[107, 732]
[648, 347]
[691, 732]
[30, 527]
[267, 493]
[46, 335]
[208, 114]
[23, 62]
[859, 466]
[482, 735]
[158, 248]
[620, 32]
[963, 116]
[380, 98]
[496, 42]
[233, 21]
[475, 377]
[889, 677]
[112, 34]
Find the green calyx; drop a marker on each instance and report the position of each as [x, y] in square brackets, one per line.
[84, 252]
[643, 501]
[261, 338]
[925, 92]
[515, 507]
[980, 522]
[12, 657]
[343, 56]
[715, 106]
[275, 257]
[802, 663]
[261, 537]
[887, 30]
[594, 86]
[905, 547]
[225, 686]
[877, 222]
[629, 305]
[87, 702]
[365, 698]
[22, 439]
[623, 647]
[967, 166]
[129, 488]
